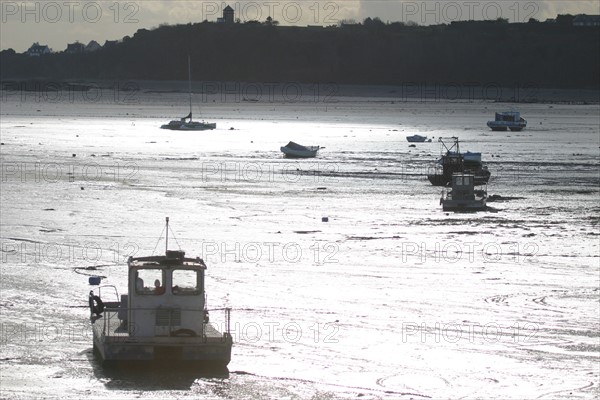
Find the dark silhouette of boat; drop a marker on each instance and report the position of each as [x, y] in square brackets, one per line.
[453, 161]
[463, 197]
[508, 120]
[295, 150]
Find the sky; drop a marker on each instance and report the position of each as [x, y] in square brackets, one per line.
[57, 23]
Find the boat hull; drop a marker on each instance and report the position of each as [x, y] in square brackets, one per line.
[463, 205]
[187, 127]
[417, 139]
[505, 125]
[291, 153]
[212, 352]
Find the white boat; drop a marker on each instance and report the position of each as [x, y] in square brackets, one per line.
[295, 150]
[417, 139]
[508, 120]
[463, 197]
[163, 317]
[186, 123]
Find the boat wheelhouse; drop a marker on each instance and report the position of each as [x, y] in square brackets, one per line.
[463, 197]
[162, 317]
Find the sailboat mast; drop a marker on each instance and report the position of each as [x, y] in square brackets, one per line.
[167, 236]
[190, 85]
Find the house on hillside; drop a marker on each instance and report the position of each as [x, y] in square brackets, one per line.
[92, 46]
[228, 16]
[37, 50]
[110, 43]
[586, 20]
[75, 48]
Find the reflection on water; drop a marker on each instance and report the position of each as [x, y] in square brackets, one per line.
[387, 297]
[163, 375]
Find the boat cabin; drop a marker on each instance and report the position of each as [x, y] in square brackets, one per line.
[508, 120]
[166, 294]
[463, 186]
[463, 196]
[509, 116]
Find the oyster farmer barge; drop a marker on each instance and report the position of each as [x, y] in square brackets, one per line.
[163, 316]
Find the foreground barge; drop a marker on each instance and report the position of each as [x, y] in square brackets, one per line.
[163, 316]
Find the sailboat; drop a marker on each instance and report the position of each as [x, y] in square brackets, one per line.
[186, 123]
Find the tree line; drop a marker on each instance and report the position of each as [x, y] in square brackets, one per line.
[544, 55]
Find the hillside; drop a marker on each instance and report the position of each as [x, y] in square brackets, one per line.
[468, 53]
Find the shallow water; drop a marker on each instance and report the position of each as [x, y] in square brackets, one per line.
[391, 298]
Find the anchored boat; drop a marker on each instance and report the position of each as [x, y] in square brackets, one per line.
[417, 139]
[453, 161]
[508, 120]
[463, 197]
[162, 317]
[183, 124]
[295, 150]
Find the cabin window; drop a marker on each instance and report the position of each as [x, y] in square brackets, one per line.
[186, 282]
[150, 281]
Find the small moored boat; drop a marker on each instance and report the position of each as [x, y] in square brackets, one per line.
[295, 150]
[417, 139]
[463, 197]
[163, 317]
[508, 120]
[186, 123]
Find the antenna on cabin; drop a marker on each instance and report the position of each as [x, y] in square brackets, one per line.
[167, 236]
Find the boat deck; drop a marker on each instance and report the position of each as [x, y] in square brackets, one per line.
[113, 327]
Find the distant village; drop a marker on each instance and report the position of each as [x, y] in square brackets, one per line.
[37, 49]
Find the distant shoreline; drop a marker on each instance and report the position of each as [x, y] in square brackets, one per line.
[294, 92]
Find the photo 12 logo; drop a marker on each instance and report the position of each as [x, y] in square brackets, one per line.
[254, 172]
[44, 334]
[289, 332]
[446, 12]
[451, 332]
[52, 12]
[54, 172]
[66, 92]
[265, 92]
[472, 252]
[274, 12]
[25, 251]
[270, 252]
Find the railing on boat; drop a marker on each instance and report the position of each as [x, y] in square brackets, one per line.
[114, 325]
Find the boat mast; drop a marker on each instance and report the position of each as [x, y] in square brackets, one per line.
[167, 236]
[190, 85]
